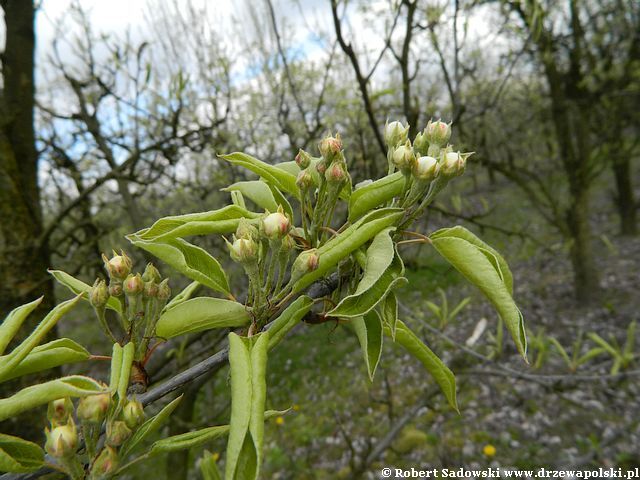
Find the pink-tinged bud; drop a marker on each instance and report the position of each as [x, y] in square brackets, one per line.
[59, 411]
[330, 146]
[452, 164]
[288, 244]
[321, 167]
[62, 441]
[133, 414]
[426, 168]
[133, 285]
[395, 134]
[106, 463]
[404, 158]
[99, 294]
[438, 133]
[421, 144]
[115, 288]
[276, 225]
[303, 159]
[93, 408]
[150, 289]
[117, 433]
[243, 250]
[306, 262]
[164, 291]
[336, 174]
[304, 180]
[118, 267]
[151, 274]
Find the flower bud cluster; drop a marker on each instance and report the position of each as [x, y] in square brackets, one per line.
[395, 134]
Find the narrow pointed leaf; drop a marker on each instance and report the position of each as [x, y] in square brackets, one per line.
[209, 467]
[223, 220]
[41, 394]
[281, 200]
[50, 355]
[438, 370]
[368, 197]
[116, 367]
[348, 241]
[79, 287]
[190, 260]
[288, 319]
[148, 428]
[202, 313]
[280, 178]
[18, 455]
[12, 323]
[12, 360]
[184, 295]
[128, 352]
[389, 312]
[369, 332]
[473, 264]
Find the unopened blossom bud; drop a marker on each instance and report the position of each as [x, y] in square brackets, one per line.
[133, 285]
[164, 291]
[452, 164]
[438, 133]
[59, 411]
[246, 230]
[93, 408]
[306, 262]
[151, 274]
[330, 146]
[117, 433]
[115, 288]
[303, 159]
[106, 463]
[288, 244]
[421, 144]
[321, 167]
[304, 180]
[133, 414]
[426, 168]
[276, 225]
[99, 294]
[150, 289]
[243, 250]
[62, 441]
[118, 267]
[404, 158]
[395, 134]
[336, 174]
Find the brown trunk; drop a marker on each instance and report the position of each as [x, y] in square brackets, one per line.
[625, 199]
[23, 263]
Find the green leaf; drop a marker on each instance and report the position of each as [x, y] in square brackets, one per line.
[247, 361]
[41, 394]
[79, 287]
[438, 370]
[288, 319]
[382, 273]
[128, 352]
[186, 293]
[282, 201]
[369, 332]
[278, 177]
[149, 427]
[257, 191]
[12, 360]
[116, 367]
[202, 313]
[491, 253]
[474, 265]
[368, 197]
[50, 355]
[193, 262]
[389, 312]
[289, 167]
[223, 220]
[342, 245]
[12, 322]
[18, 455]
[188, 440]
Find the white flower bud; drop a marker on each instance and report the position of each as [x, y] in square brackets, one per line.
[62, 441]
[452, 164]
[243, 250]
[118, 267]
[438, 133]
[404, 158]
[395, 133]
[330, 146]
[426, 168]
[276, 225]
